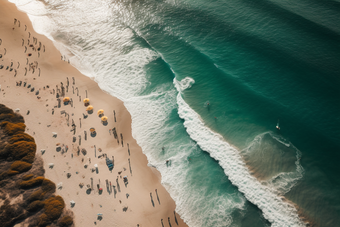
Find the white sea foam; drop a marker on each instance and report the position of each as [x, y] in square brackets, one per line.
[149, 114]
[274, 209]
[282, 182]
[186, 83]
[37, 13]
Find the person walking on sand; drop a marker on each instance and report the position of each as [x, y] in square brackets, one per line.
[157, 197]
[153, 204]
[175, 218]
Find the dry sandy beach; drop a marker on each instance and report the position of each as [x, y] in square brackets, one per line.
[33, 76]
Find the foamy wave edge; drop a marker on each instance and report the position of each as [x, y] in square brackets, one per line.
[283, 182]
[274, 209]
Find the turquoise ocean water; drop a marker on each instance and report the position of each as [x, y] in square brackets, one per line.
[209, 81]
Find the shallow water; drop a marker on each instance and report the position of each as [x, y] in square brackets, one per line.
[208, 81]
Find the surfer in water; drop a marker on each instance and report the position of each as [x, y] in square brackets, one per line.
[278, 126]
[208, 105]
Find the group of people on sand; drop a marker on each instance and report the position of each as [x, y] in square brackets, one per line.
[33, 66]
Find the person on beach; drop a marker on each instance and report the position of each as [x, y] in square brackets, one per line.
[175, 218]
[153, 204]
[168, 163]
[157, 197]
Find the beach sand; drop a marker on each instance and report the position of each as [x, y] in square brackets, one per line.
[50, 75]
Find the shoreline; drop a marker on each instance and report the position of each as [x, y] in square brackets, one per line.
[45, 71]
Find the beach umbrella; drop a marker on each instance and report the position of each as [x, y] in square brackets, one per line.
[86, 100]
[92, 129]
[104, 118]
[89, 108]
[66, 99]
[100, 112]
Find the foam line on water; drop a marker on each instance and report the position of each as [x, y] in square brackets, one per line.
[274, 209]
[185, 83]
[37, 14]
[282, 182]
[149, 114]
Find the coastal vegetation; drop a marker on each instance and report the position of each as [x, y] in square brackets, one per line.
[19, 167]
[22, 180]
[32, 183]
[53, 208]
[65, 221]
[12, 128]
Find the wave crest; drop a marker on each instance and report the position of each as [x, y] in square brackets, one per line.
[184, 84]
[274, 209]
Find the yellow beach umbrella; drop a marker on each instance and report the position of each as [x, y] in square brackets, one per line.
[66, 99]
[104, 118]
[86, 100]
[92, 129]
[100, 112]
[89, 108]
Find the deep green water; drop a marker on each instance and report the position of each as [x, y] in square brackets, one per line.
[262, 62]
